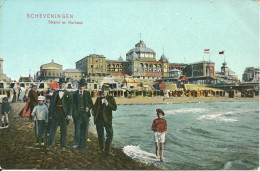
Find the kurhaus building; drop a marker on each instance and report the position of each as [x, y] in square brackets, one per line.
[140, 63]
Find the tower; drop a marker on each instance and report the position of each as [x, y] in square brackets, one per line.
[224, 69]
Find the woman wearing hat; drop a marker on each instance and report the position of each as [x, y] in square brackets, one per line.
[159, 126]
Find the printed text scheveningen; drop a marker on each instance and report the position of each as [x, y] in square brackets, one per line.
[49, 15]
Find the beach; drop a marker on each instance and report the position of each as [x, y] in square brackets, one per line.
[158, 100]
[17, 150]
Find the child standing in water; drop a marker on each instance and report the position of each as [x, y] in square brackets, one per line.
[159, 126]
[40, 114]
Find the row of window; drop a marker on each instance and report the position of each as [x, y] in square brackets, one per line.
[115, 70]
[114, 66]
[146, 55]
[52, 74]
[149, 70]
[141, 65]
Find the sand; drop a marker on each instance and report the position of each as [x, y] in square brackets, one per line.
[17, 150]
[158, 100]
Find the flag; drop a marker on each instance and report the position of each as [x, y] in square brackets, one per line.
[221, 52]
[206, 50]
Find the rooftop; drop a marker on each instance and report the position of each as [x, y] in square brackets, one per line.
[71, 70]
[141, 47]
[96, 56]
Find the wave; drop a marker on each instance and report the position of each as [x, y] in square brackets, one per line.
[218, 117]
[185, 110]
[137, 153]
[227, 116]
[238, 165]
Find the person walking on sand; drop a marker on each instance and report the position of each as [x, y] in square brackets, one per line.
[5, 112]
[102, 113]
[82, 103]
[159, 126]
[60, 111]
[40, 114]
[33, 96]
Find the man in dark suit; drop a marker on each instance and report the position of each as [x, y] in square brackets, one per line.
[102, 112]
[60, 111]
[33, 96]
[82, 103]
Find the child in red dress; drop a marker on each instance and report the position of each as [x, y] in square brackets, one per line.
[159, 126]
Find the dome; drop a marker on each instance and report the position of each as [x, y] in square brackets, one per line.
[135, 56]
[140, 47]
[224, 63]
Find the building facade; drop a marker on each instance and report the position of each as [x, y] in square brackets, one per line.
[50, 72]
[72, 74]
[251, 74]
[92, 65]
[200, 72]
[117, 67]
[179, 66]
[142, 62]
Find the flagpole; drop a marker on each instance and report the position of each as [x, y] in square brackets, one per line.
[224, 57]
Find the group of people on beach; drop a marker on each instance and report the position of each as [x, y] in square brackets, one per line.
[57, 109]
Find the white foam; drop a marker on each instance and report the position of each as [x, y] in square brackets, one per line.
[185, 110]
[136, 152]
[225, 116]
[219, 117]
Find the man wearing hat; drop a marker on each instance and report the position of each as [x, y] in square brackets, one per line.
[33, 97]
[159, 126]
[102, 112]
[82, 103]
[5, 112]
[60, 111]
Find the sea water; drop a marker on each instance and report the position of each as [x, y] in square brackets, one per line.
[203, 135]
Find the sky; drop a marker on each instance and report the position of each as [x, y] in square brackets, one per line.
[183, 28]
